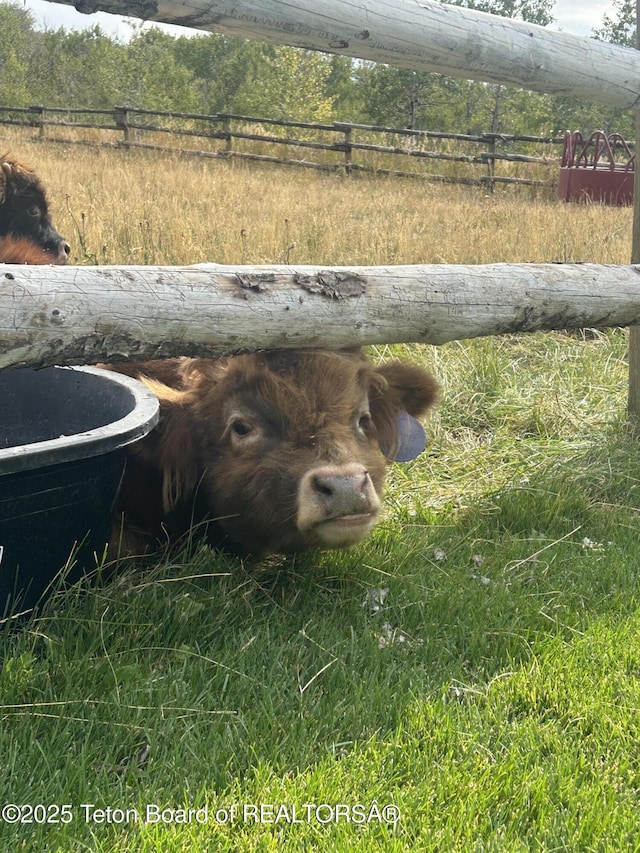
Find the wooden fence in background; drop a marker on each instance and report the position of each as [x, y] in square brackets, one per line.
[486, 159]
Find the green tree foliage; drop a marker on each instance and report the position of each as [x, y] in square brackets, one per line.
[216, 73]
[222, 67]
[348, 104]
[156, 80]
[621, 29]
[533, 11]
[239, 76]
[82, 68]
[17, 55]
[292, 85]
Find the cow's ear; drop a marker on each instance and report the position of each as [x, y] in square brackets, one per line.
[5, 173]
[200, 375]
[409, 387]
[170, 446]
[398, 394]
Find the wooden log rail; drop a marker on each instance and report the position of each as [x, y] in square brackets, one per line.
[136, 124]
[424, 35]
[83, 315]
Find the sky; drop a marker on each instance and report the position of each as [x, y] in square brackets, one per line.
[578, 17]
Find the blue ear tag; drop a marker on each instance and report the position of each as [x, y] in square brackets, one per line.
[412, 439]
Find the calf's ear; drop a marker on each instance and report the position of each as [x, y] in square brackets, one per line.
[5, 172]
[170, 446]
[400, 392]
[408, 387]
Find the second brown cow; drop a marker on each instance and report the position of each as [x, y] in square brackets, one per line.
[27, 234]
[272, 452]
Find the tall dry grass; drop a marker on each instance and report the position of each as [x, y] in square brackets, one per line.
[138, 207]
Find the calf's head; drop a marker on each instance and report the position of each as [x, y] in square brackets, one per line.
[286, 450]
[24, 212]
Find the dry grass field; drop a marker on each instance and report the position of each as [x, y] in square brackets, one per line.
[140, 207]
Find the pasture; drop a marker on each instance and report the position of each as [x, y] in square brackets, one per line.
[475, 663]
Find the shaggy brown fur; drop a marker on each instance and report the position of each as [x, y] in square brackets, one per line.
[24, 212]
[18, 250]
[279, 451]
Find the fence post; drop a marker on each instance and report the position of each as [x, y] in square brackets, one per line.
[491, 162]
[39, 123]
[121, 117]
[226, 126]
[633, 405]
[347, 150]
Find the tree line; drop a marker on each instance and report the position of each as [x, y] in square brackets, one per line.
[211, 73]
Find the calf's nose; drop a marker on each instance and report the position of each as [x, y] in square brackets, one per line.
[344, 491]
[337, 505]
[64, 251]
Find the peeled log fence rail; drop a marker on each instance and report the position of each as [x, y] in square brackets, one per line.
[83, 315]
[424, 35]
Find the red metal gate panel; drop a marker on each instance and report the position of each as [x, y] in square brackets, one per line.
[600, 169]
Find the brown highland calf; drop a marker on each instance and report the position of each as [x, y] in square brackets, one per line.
[272, 452]
[27, 234]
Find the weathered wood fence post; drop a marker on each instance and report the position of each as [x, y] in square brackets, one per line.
[634, 331]
[491, 162]
[226, 126]
[347, 150]
[121, 118]
[423, 36]
[39, 122]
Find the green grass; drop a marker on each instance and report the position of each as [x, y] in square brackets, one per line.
[491, 694]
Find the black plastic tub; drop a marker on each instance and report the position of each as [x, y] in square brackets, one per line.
[63, 434]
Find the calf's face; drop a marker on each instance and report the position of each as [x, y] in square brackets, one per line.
[24, 211]
[283, 449]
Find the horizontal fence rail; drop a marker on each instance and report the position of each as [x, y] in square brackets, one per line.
[424, 36]
[84, 315]
[337, 147]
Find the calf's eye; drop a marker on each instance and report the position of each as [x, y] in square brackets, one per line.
[34, 211]
[365, 423]
[241, 427]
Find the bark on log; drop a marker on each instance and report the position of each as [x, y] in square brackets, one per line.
[82, 315]
[424, 35]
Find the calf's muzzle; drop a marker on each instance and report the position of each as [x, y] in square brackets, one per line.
[337, 505]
